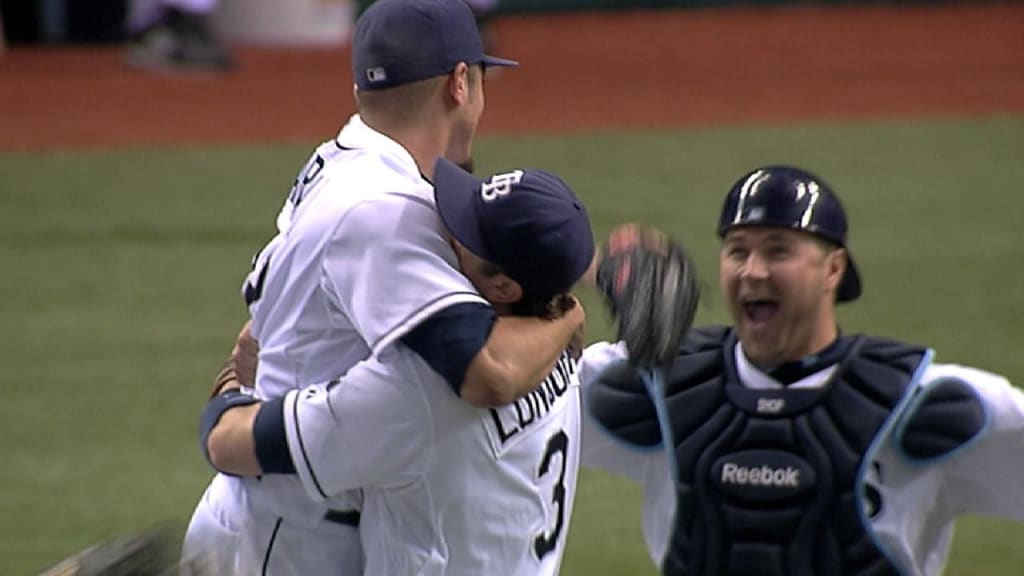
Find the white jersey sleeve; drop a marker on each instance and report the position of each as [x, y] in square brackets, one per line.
[921, 499]
[370, 428]
[600, 448]
[983, 477]
[389, 266]
[648, 467]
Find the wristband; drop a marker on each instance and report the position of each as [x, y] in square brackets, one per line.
[216, 408]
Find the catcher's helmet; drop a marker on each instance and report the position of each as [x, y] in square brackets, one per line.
[787, 197]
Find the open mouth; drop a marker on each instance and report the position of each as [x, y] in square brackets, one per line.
[759, 311]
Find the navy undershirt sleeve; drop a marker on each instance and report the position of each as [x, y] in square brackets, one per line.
[450, 339]
[270, 439]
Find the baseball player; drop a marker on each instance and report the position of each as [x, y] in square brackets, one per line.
[449, 488]
[361, 261]
[780, 446]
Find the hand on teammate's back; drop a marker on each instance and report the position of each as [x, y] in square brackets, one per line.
[567, 307]
[560, 306]
[245, 356]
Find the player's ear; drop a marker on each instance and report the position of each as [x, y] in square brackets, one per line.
[836, 265]
[502, 289]
[458, 83]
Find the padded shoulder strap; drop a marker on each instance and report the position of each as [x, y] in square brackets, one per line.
[703, 339]
[619, 400]
[946, 415]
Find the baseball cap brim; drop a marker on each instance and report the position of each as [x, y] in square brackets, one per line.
[489, 61]
[454, 194]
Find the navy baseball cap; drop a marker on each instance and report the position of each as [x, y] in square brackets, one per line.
[401, 41]
[789, 197]
[526, 221]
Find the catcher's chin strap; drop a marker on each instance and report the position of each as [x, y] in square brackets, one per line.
[654, 381]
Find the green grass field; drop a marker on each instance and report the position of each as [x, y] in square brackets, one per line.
[119, 298]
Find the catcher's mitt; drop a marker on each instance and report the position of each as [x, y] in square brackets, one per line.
[151, 552]
[650, 284]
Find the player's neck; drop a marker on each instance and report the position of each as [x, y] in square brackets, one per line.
[425, 143]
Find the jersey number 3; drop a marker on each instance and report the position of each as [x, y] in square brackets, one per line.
[558, 445]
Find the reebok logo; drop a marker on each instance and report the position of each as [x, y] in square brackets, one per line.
[763, 475]
[788, 477]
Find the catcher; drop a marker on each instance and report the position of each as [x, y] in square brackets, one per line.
[791, 448]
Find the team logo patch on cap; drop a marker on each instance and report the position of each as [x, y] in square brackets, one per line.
[500, 185]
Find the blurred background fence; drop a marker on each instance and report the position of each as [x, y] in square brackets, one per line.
[303, 21]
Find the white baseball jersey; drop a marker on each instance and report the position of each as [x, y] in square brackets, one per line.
[449, 488]
[922, 499]
[360, 259]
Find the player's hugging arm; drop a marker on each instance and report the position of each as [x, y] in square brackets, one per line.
[370, 411]
[520, 352]
[225, 431]
[234, 423]
[421, 299]
[492, 360]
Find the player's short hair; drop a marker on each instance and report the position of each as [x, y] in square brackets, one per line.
[537, 308]
[530, 304]
[406, 100]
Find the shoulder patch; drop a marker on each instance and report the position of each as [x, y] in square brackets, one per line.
[946, 417]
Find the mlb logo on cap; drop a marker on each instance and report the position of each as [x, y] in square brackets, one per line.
[377, 74]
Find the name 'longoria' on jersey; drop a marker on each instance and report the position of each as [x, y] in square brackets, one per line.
[513, 421]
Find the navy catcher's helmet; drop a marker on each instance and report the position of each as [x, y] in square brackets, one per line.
[787, 197]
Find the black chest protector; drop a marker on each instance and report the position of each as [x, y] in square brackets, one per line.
[767, 478]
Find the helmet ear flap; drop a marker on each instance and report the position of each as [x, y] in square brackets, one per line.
[849, 286]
